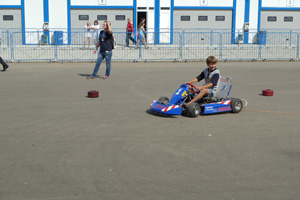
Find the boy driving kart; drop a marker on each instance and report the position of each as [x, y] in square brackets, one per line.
[211, 76]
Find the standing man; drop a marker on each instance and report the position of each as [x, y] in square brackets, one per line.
[129, 32]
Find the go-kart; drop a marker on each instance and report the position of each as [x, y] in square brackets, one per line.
[220, 103]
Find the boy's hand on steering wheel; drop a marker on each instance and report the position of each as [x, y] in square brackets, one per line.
[188, 84]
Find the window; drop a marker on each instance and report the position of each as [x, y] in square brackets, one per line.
[272, 19]
[220, 18]
[101, 17]
[8, 17]
[165, 8]
[202, 18]
[142, 8]
[120, 17]
[288, 19]
[83, 17]
[185, 18]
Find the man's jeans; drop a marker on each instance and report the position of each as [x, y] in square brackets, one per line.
[129, 37]
[107, 55]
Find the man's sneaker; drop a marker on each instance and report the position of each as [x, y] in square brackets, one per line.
[4, 68]
[90, 77]
[106, 77]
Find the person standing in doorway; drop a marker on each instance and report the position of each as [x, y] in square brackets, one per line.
[105, 43]
[129, 32]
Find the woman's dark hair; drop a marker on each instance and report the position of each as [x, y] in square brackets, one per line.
[141, 24]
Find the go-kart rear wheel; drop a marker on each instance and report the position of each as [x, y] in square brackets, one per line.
[194, 110]
[164, 99]
[236, 105]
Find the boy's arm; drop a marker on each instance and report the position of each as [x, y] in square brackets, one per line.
[214, 82]
[205, 86]
[198, 78]
[194, 80]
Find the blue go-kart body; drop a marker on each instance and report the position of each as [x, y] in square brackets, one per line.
[220, 103]
[174, 107]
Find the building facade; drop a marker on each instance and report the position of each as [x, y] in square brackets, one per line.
[161, 15]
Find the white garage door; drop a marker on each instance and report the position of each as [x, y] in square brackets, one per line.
[118, 18]
[281, 20]
[204, 19]
[10, 18]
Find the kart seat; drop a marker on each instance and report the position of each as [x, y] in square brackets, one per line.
[223, 89]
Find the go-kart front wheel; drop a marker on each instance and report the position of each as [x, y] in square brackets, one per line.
[194, 110]
[164, 99]
[236, 105]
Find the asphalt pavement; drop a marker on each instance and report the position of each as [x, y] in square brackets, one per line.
[58, 144]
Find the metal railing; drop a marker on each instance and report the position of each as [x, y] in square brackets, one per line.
[5, 45]
[64, 45]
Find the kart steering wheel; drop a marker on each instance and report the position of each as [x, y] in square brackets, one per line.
[193, 88]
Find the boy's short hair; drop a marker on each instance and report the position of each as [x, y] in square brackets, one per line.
[211, 60]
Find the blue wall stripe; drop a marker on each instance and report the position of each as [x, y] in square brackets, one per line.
[69, 20]
[247, 10]
[246, 19]
[23, 20]
[259, 15]
[134, 20]
[233, 22]
[280, 8]
[46, 10]
[101, 7]
[202, 8]
[10, 6]
[172, 21]
[46, 17]
[156, 19]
